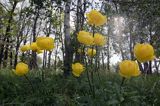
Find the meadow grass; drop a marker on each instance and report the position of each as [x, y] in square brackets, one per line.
[59, 91]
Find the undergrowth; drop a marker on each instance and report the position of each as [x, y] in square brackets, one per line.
[55, 90]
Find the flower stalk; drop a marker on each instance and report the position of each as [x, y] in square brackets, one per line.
[30, 83]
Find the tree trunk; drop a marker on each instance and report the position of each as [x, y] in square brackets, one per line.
[81, 8]
[150, 68]
[11, 56]
[68, 49]
[108, 51]
[78, 27]
[130, 46]
[146, 67]
[49, 31]
[141, 67]
[5, 48]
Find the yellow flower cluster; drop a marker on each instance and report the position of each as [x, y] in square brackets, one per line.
[77, 69]
[21, 69]
[96, 18]
[42, 43]
[129, 68]
[45, 43]
[34, 47]
[25, 48]
[91, 52]
[144, 52]
[99, 39]
[85, 38]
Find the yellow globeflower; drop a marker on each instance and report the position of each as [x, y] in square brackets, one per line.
[34, 47]
[45, 43]
[144, 52]
[91, 52]
[77, 69]
[21, 69]
[96, 18]
[85, 38]
[128, 68]
[99, 40]
[25, 48]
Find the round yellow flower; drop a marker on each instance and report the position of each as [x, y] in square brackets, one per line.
[91, 52]
[144, 52]
[77, 69]
[96, 18]
[34, 47]
[45, 43]
[21, 69]
[25, 48]
[85, 38]
[129, 68]
[99, 40]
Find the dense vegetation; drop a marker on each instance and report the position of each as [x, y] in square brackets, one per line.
[56, 90]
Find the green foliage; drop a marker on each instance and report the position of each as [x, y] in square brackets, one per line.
[59, 91]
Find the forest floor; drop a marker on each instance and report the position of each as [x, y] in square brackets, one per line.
[55, 90]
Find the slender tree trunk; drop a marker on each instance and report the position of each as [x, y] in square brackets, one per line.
[68, 49]
[7, 36]
[49, 59]
[50, 52]
[108, 52]
[16, 55]
[150, 67]
[78, 27]
[1, 54]
[141, 67]
[81, 8]
[122, 54]
[61, 35]
[157, 64]
[103, 65]
[44, 59]
[151, 42]
[5, 60]
[11, 56]
[130, 46]
[146, 67]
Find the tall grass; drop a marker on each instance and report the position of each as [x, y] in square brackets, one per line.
[59, 91]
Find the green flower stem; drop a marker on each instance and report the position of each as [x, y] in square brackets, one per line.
[96, 64]
[88, 78]
[44, 64]
[82, 54]
[122, 82]
[90, 85]
[92, 71]
[29, 83]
